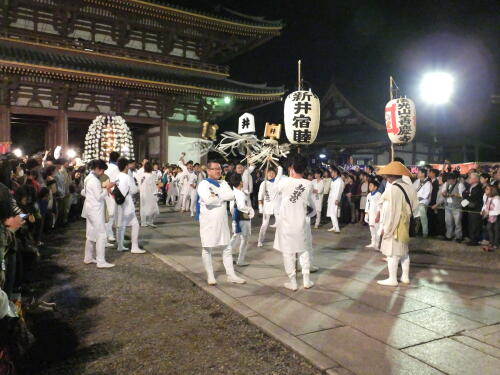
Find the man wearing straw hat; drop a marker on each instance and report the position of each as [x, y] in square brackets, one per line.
[401, 202]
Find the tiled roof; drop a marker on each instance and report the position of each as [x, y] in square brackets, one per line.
[86, 64]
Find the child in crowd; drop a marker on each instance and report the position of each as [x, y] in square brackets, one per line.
[242, 213]
[371, 211]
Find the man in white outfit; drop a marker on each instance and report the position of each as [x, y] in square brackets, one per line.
[318, 186]
[293, 233]
[214, 227]
[188, 188]
[334, 197]
[125, 215]
[401, 201]
[268, 201]
[93, 212]
[112, 172]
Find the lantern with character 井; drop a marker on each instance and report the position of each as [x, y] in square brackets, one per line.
[302, 110]
[400, 120]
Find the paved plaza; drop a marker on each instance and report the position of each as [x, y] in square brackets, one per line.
[446, 321]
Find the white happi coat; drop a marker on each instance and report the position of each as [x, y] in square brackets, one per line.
[336, 189]
[148, 199]
[214, 225]
[395, 205]
[372, 207]
[112, 172]
[319, 186]
[186, 179]
[93, 207]
[269, 196]
[242, 203]
[293, 232]
[125, 215]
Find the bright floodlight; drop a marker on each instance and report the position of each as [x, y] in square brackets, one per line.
[322, 156]
[227, 99]
[18, 152]
[436, 88]
[71, 153]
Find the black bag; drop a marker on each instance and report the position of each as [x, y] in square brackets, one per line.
[119, 197]
[243, 215]
[413, 223]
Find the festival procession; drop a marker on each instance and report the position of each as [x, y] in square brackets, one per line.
[161, 217]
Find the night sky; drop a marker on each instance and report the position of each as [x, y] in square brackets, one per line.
[359, 44]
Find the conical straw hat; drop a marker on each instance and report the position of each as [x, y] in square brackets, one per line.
[394, 168]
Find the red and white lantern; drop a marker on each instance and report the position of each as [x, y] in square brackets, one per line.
[401, 120]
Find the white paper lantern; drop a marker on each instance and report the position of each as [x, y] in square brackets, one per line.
[246, 124]
[401, 120]
[302, 117]
[106, 134]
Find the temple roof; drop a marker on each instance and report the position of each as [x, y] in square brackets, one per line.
[343, 124]
[18, 58]
[223, 19]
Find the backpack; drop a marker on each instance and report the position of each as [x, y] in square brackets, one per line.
[412, 224]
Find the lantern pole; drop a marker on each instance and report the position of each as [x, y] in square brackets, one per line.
[299, 76]
[391, 90]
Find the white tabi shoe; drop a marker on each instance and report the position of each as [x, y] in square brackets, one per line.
[91, 261]
[235, 279]
[272, 226]
[144, 225]
[123, 249]
[111, 239]
[137, 251]
[105, 265]
[259, 244]
[242, 264]
[333, 230]
[370, 246]
[405, 280]
[211, 281]
[388, 282]
[292, 285]
[316, 227]
[109, 244]
[152, 226]
[308, 284]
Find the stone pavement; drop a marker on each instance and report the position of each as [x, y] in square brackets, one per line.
[446, 321]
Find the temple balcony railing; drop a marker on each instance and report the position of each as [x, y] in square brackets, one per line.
[89, 46]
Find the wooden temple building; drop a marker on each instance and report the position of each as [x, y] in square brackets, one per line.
[161, 67]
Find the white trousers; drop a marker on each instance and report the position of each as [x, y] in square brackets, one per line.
[180, 200]
[120, 236]
[392, 266]
[194, 199]
[243, 246]
[290, 267]
[227, 260]
[100, 250]
[263, 227]
[374, 235]
[335, 223]
[148, 219]
[109, 228]
[318, 218]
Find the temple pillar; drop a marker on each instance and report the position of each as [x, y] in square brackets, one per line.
[5, 129]
[61, 129]
[164, 141]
